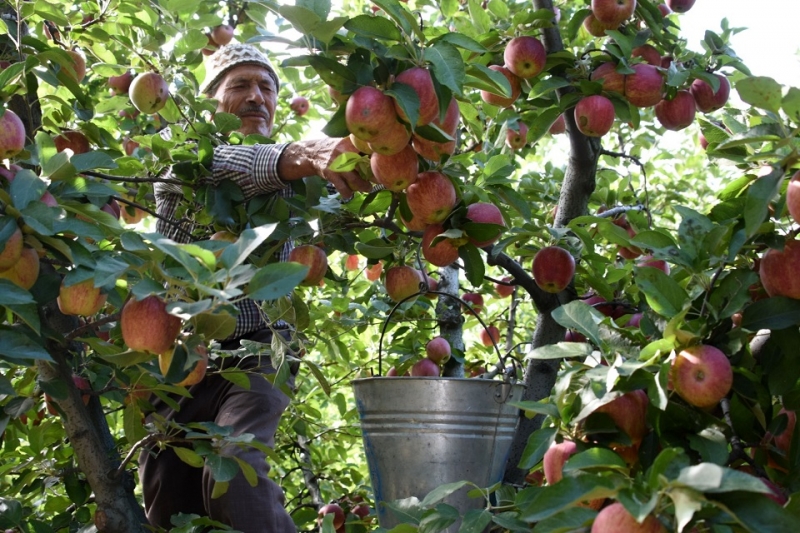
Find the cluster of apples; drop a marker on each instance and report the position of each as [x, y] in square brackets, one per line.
[778, 269]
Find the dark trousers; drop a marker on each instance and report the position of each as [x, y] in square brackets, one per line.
[171, 486]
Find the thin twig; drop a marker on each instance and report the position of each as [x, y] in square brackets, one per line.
[123, 179]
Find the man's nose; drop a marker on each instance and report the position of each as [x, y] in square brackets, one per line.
[256, 96]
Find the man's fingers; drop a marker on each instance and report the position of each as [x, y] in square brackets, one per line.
[355, 181]
[341, 186]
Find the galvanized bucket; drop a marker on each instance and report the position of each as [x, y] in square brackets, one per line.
[422, 432]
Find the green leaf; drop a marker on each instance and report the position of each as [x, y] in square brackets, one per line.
[189, 456]
[791, 104]
[566, 521]
[441, 492]
[374, 28]
[712, 478]
[595, 458]
[759, 196]
[250, 239]
[222, 468]
[538, 443]
[760, 91]
[448, 66]
[567, 492]
[275, 280]
[561, 350]
[15, 345]
[579, 316]
[473, 263]
[374, 249]
[757, 513]
[304, 20]
[480, 18]
[664, 295]
[407, 98]
[541, 124]
[475, 521]
[249, 472]
[320, 377]
[778, 312]
[237, 377]
[542, 408]
[462, 41]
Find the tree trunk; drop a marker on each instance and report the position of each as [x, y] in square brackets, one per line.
[451, 321]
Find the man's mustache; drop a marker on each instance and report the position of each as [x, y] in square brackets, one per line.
[249, 110]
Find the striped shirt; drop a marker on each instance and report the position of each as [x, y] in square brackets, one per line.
[255, 170]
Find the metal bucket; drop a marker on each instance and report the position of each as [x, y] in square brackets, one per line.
[422, 432]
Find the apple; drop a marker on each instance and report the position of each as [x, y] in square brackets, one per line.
[498, 99]
[12, 135]
[335, 510]
[395, 172]
[336, 95]
[76, 71]
[474, 300]
[616, 519]
[678, 113]
[433, 150]
[555, 458]
[485, 213]
[778, 270]
[703, 141]
[11, 249]
[517, 138]
[299, 105]
[680, 6]
[594, 115]
[525, 56]
[574, 336]
[490, 336]
[129, 145]
[649, 53]
[629, 413]
[506, 288]
[374, 272]
[438, 350]
[149, 92]
[559, 126]
[361, 511]
[391, 141]
[420, 80]
[553, 268]
[351, 263]
[402, 282]
[222, 34]
[610, 309]
[702, 375]
[776, 492]
[783, 440]
[25, 271]
[314, 258]
[707, 99]
[650, 261]
[431, 197]
[369, 112]
[360, 145]
[612, 80]
[432, 284]
[73, 140]
[425, 367]
[82, 299]
[194, 376]
[645, 86]
[122, 83]
[793, 197]
[443, 253]
[664, 9]
[596, 28]
[146, 326]
[613, 12]
[132, 215]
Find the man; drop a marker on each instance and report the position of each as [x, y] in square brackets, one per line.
[244, 83]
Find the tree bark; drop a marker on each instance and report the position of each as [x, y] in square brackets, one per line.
[451, 321]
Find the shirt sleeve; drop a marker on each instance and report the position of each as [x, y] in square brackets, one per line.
[253, 168]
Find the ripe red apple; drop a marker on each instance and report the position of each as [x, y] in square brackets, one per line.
[391, 141]
[112, 208]
[596, 28]
[678, 113]
[425, 367]
[645, 86]
[485, 213]
[490, 335]
[778, 270]
[517, 138]
[369, 112]
[559, 126]
[12, 135]
[680, 6]
[146, 325]
[503, 290]
[73, 140]
[222, 34]
[395, 172]
[793, 197]
[613, 12]
[149, 92]
[702, 375]
[612, 80]
[299, 105]
[500, 100]
[664, 9]
[11, 249]
[122, 83]
[594, 115]
[433, 285]
[553, 268]
[336, 510]
[433, 150]
[783, 440]
[314, 258]
[374, 272]
[431, 197]
[360, 145]
[195, 375]
[129, 145]
[574, 336]
[78, 70]
[402, 281]
[82, 299]
[443, 253]
[610, 309]
[650, 261]
[649, 53]
[351, 263]
[525, 56]
[634, 320]
[555, 458]
[25, 271]
[616, 519]
[629, 413]
[707, 99]
[475, 301]
[420, 80]
[438, 350]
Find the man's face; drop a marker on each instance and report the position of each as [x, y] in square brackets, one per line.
[249, 92]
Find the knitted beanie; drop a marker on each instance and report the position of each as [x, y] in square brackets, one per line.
[232, 55]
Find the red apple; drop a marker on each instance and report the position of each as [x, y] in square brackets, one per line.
[391, 141]
[645, 86]
[649, 53]
[438, 350]
[129, 145]
[11, 249]
[314, 258]
[525, 56]
[369, 112]
[425, 367]
[616, 519]
[337, 95]
[122, 83]
[612, 80]
[664, 9]
[12, 135]
[336, 510]
[778, 270]
[553, 268]
[490, 336]
[82, 299]
[443, 253]
[351, 263]
[433, 150]
[360, 145]
[299, 105]
[197, 373]
[433, 285]
[396, 172]
[613, 12]
[73, 140]
[222, 34]
[650, 261]
[793, 197]
[596, 28]
[594, 115]
[555, 458]
[374, 272]
[112, 208]
[680, 6]
[629, 413]
[503, 290]
[25, 271]
[78, 68]
[634, 320]
[498, 99]
[432, 197]
[475, 301]
[678, 113]
[402, 282]
[149, 92]
[610, 309]
[702, 375]
[574, 336]
[485, 213]
[420, 80]
[783, 440]
[707, 99]
[517, 138]
[559, 126]
[146, 325]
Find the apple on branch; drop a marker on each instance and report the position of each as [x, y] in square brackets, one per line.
[612, 13]
[438, 350]
[299, 105]
[420, 80]
[485, 213]
[146, 325]
[678, 113]
[778, 270]
[334, 509]
[25, 271]
[149, 92]
[701, 375]
[395, 172]
[441, 254]
[80, 299]
[475, 301]
[594, 115]
[12, 135]
[616, 519]
[314, 258]
[369, 112]
[490, 336]
[431, 197]
[10, 245]
[402, 282]
[433, 150]
[425, 368]
[706, 97]
[525, 56]
[517, 138]
[680, 6]
[501, 100]
[553, 268]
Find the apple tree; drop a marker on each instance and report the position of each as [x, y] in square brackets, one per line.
[616, 228]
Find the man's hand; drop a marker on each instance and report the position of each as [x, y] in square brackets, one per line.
[314, 157]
